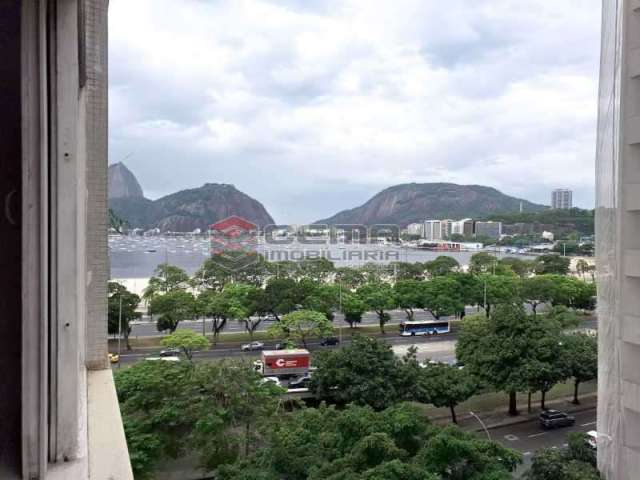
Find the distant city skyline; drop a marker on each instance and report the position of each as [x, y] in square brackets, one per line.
[314, 106]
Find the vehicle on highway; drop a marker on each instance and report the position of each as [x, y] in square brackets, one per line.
[284, 346]
[330, 341]
[556, 419]
[591, 438]
[274, 380]
[170, 352]
[114, 358]
[165, 359]
[410, 328]
[248, 347]
[284, 363]
[300, 382]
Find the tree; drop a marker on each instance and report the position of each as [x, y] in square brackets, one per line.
[448, 386]
[582, 267]
[282, 296]
[353, 308]
[166, 278]
[186, 340]
[244, 302]
[454, 454]
[365, 372]
[324, 298]
[211, 276]
[350, 278]
[378, 297]
[316, 269]
[580, 354]
[440, 297]
[122, 309]
[492, 290]
[216, 306]
[300, 325]
[548, 464]
[212, 409]
[553, 264]
[537, 290]
[497, 349]
[409, 295]
[407, 271]
[173, 307]
[441, 265]
[482, 262]
[520, 267]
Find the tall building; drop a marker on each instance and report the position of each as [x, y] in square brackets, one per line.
[618, 242]
[445, 228]
[433, 230]
[416, 229]
[561, 199]
[462, 227]
[488, 229]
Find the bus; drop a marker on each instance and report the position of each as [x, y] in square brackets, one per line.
[424, 327]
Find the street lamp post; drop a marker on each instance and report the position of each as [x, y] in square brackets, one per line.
[486, 430]
[119, 326]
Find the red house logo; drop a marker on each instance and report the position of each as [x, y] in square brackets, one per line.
[234, 242]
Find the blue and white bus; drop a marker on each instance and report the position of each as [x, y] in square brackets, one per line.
[424, 327]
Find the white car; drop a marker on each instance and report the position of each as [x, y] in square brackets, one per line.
[274, 380]
[247, 347]
[164, 359]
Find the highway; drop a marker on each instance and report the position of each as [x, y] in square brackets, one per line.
[529, 437]
[439, 348]
[147, 328]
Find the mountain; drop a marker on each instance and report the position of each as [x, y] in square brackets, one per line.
[123, 183]
[416, 202]
[182, 211]
[199, 207]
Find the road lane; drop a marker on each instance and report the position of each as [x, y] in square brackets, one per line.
[529, 437]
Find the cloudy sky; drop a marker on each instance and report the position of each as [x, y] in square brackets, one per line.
[312, 106]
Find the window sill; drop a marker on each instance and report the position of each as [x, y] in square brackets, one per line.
[108, 453]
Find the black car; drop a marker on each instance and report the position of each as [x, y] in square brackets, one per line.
[555, 419]
[300, 382]
[330, 341]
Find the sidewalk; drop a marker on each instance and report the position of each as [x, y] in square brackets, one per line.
[500, 418]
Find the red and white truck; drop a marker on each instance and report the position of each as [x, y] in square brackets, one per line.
[284, 363]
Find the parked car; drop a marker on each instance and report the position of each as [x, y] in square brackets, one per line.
[274, 380]
[555, 419]
[114, 358]
[248, 347]
[170, 352]
[592, 439]
[300, 382]
[330, 341]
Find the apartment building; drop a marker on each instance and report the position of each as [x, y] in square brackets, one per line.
[561, 199]
[433, 230]
[618, 242]
[488, 229]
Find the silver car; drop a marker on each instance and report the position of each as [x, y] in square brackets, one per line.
[247, 347]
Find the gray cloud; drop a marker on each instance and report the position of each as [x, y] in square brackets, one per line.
[313, 106]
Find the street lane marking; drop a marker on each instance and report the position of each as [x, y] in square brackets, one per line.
[588, 424]
[526, 454]
[537, 435]
[511, 438]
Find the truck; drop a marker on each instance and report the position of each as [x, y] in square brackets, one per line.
[284, 363]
